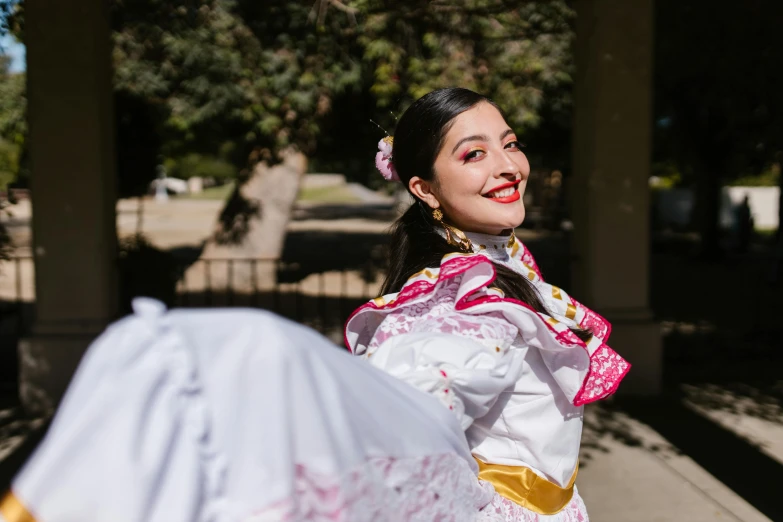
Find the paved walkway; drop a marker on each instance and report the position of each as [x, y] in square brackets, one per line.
[632, 474]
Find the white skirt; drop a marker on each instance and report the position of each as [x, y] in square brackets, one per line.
[239, 415]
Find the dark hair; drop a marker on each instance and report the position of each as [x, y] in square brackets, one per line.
[415, 241]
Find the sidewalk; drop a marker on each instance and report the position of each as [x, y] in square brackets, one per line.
[630, 473]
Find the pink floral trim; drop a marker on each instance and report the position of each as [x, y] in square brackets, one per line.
[502, 509]
[437, 487]
[592, 321]
[607, 369]
[528, 259]
[600, 327]
[414, 290]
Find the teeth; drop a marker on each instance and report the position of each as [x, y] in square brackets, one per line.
[503, 193]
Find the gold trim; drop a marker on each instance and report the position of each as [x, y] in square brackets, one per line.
[426, 272]
[521, 485]
[556, 293]
[13, 510]
[531, 275]
[571, 311]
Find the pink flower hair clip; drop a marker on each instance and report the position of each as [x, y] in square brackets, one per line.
[383, 160]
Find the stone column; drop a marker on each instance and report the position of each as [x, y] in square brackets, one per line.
[610, 196]
[71, 144]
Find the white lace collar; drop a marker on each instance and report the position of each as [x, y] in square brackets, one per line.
[497, 248]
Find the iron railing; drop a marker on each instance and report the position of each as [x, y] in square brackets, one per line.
[17, 295]
[320, 299]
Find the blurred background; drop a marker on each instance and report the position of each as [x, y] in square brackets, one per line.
[220, 153]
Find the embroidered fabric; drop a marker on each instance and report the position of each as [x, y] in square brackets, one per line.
[503, 510]
[455, 288]
[607, 369]
[436, 314]
[441, 487]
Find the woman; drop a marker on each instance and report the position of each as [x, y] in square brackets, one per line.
[239, 415]
[533, 356]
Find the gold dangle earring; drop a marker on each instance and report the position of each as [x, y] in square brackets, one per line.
[454, 236]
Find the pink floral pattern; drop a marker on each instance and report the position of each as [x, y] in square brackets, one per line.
[527, 258]
[421, 489]
[425, 489]
[607, 369]
[436, 313]
[503, 510]
[425, 299]
[594, 322]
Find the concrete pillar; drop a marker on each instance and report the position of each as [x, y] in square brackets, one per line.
[610, 196]
[71, 143]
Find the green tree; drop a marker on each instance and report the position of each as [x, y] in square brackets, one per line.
[253, 82]
[275, 76]
[13, 125]
[13, 128]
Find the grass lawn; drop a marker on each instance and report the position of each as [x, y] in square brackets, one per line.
[338, 194]
[220, 192]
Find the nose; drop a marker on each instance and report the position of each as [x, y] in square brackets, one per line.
[509, 169]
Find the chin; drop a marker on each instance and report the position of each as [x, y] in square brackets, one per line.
[516, 219]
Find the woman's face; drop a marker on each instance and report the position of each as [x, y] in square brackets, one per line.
[480, 174]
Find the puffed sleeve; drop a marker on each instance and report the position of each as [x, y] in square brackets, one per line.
[466, 374]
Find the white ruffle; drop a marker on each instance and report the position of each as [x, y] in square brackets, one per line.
[216, 415]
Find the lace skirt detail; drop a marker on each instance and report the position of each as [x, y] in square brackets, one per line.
[502, 509]
[439, 488]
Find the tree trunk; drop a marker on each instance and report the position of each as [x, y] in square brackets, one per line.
[252, 226]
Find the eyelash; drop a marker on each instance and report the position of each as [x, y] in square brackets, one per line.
[469, 155]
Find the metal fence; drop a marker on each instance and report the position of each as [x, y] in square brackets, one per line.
[17, 295]
[322, 299]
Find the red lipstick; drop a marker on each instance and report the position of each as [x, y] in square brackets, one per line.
[507, 199]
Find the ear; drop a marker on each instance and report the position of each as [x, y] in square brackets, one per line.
[423, 190]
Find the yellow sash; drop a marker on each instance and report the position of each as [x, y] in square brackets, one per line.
[13, 510]
[521, 485]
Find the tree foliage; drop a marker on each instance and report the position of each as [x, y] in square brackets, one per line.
[243, 80]
[13, 124]
[264, 76]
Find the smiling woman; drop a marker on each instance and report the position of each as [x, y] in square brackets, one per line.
[458, 272]
[464, 167]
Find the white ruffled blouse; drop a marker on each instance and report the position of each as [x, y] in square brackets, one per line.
[516, 379]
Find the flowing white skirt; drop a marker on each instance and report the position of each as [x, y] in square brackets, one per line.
[239, 415]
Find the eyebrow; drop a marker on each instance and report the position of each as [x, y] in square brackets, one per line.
[479, 137]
